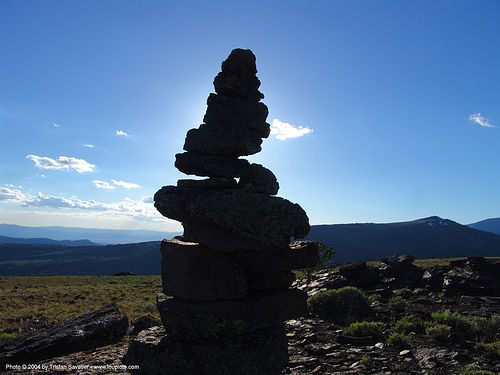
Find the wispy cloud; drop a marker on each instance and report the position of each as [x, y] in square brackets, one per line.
[126, 185]
[121, 132]
[481, 120]
[142, 208]
[11, 193]
[63, 162]
[102, 184]
[283, 130]
[88, 145]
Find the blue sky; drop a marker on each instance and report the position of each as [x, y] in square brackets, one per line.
[398, 104]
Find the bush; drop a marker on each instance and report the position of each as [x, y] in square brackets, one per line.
[398, 339]
[344, 305]
[488, 329]
[364, 329]
[438, 332]
[409, 324]
[325, 261]
[397, 304]
[455, 320]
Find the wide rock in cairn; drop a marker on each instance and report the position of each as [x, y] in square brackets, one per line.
[226, 281]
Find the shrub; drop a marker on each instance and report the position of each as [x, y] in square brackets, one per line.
[488, 329]
[398, 339]
[455, 320]
[364, 329]
[397, 304]
[409, 324]
[325, 261]
[438, 332]
[344, 305]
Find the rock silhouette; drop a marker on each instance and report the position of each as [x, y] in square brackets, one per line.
[226, 281]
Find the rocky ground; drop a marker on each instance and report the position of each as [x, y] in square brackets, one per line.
[319, 345]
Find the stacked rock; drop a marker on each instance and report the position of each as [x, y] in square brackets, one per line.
[226, 281]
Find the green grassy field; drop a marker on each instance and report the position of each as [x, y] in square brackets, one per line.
[31, 303]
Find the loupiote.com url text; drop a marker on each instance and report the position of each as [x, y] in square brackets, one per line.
[69, 367]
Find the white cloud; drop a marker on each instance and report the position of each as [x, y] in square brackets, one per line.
[63, 162]
[142, 208]
[147, 199]
[127, 206]
[11, 193]
[89, 146]
[126, 185]
[284, 130]
[102, 184]
[121, 132]
[479, 119]
[55, 125]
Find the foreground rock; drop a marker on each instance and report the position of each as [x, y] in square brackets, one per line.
[91, 330]
[263, 351]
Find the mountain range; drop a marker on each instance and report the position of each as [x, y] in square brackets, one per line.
[47, 241]
[488, 225]
[423, 238]
[100, 236]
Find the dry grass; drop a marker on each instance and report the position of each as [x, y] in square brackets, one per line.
[30, 303]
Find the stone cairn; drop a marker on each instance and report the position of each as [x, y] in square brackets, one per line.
[226, 281]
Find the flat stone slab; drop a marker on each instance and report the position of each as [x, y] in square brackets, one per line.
[264, 351]
[267, 220]
[229, 112]
[210, 165]
[259, 179]
[213, 183]
[193, 272]
[297, 255]
[220, 239]
[88, 331]
[233, 141]
[189, 320]
[270, 280]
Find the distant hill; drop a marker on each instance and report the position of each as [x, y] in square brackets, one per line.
[47, 241]
[102, 236]
[489, 225]
[423, 238]
[24, 260]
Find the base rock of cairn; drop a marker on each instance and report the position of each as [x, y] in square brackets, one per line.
[226, 281]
